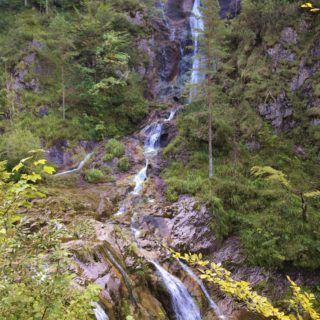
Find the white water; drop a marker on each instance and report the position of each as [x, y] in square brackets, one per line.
[172, 115]
[152, 141]
[140, 178]
[182, 303]
[197, 25]
[211, 303]
[77, 169]
[99, 312]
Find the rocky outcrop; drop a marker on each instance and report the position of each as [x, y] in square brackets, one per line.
[279, 112]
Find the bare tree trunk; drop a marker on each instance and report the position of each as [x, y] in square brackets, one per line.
[63, 91]
[25, 3]
[210, 105]
[47, 6]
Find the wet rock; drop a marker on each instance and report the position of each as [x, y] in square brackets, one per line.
[167, 57]
[278, 112]
[178, 10]
[229, 8]
[169, 132]
[55, 153]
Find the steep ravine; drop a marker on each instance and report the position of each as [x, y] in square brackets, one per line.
[126, 257]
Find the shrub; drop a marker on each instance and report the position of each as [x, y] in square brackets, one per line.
[94, 176]
[16, 144]
[124, 164]
[114, 148]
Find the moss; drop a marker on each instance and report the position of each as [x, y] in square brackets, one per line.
[94, 176]
[124, 164]
[114, 149]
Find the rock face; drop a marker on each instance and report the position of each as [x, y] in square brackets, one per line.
[190, 227]
[278, 112]
[168, 50]
[229, 8]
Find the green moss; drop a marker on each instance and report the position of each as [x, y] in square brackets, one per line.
[114, 149]
[94, 176]
[124, 164]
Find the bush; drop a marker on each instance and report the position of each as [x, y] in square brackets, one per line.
[114, 148]
[16, 144]
[94, 176]
[124, 164]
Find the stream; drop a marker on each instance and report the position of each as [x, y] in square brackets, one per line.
[183, 304]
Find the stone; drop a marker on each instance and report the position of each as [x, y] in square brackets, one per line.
[289, 36]
[190, 228]
[278, 112]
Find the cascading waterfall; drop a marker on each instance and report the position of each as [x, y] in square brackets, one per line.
[172, 115]
[140, 178]
[197, 25]
[183, 305]
[211, 303]
[99, 312]
[77, 169]
[152, 141]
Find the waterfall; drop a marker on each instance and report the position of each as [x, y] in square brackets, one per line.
[211, 303]
[197, 25]
[140, 178]
[152, 142]
[172, 115]
[78, 168]
[183, 305]
[99, 312]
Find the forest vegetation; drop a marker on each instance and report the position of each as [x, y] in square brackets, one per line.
[69, 72]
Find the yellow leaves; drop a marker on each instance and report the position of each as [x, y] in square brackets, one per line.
[270, 174]
[48, 170]
[40, 162]
[17, 168]
[309, 6]
[241, 290]
[312, 194]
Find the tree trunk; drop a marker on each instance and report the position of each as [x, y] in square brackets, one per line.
[47, 6]
[210, 103]
[63, 92]
[25, 3]
[304, 209]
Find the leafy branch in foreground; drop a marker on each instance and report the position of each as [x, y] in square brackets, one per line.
[301, 302]
[310, 7]
[35, 278]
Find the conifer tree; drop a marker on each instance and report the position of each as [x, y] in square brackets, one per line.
[211, 45]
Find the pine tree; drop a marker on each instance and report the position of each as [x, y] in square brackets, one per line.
[211, 47]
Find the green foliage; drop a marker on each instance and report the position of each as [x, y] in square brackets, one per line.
[94, 176]
[124, 164]
[16, 143]
[114, 149]
[35, 280]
